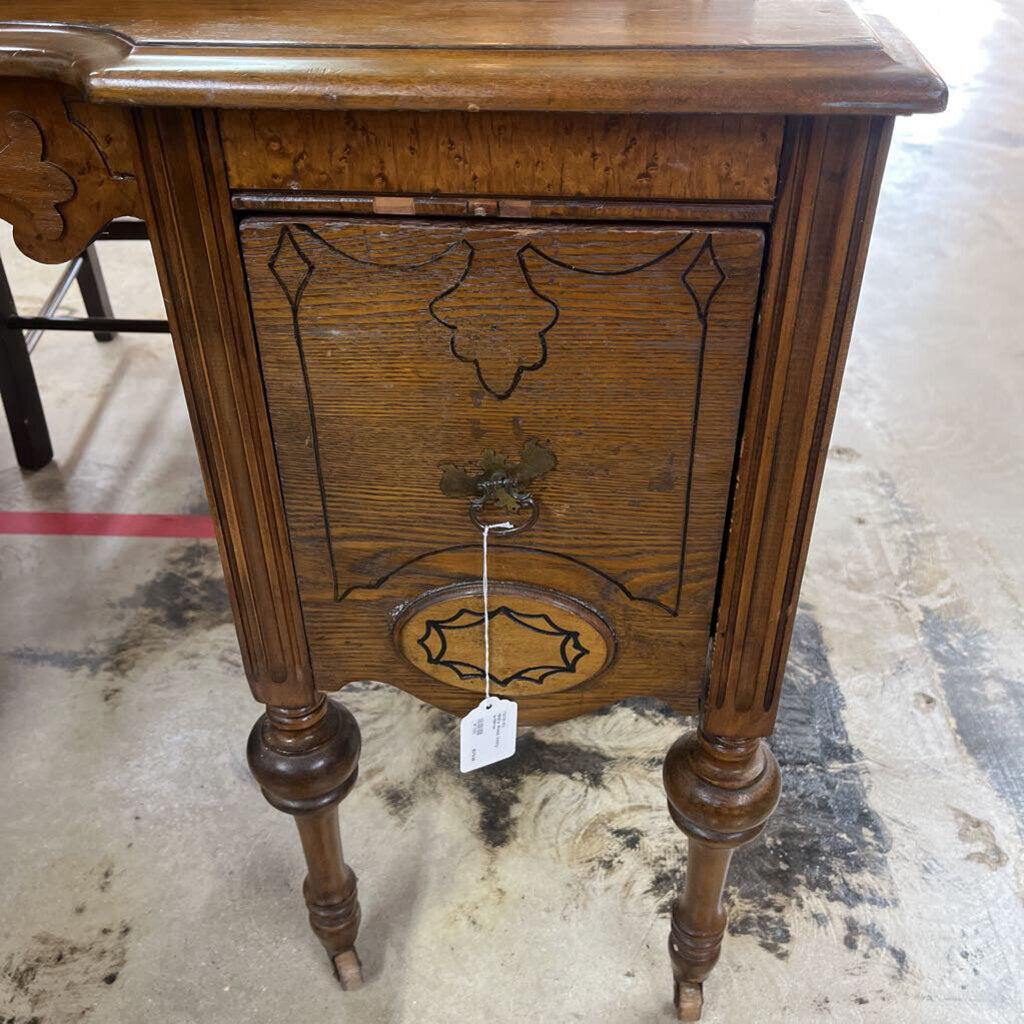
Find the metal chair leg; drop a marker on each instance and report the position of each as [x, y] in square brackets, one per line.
[94, 290]
[18, 389]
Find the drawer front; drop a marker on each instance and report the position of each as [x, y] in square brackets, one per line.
[596, 372]
[649, 156]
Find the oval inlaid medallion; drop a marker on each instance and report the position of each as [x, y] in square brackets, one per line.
[541, 641]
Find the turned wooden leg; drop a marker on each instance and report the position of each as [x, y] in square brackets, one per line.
[306, 760]
[720, 793]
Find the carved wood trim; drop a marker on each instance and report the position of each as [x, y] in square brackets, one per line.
[832, 170]
[292, 252]
[32, 184]
[562, 656]
[196, 251]
[65, 168]
[541, 640]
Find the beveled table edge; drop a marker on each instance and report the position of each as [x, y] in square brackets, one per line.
[104, 66]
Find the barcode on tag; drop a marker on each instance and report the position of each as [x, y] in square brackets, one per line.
[488, 733]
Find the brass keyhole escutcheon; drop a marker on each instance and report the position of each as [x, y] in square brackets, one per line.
[496, 480]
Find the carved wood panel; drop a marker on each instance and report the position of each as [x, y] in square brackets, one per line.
[66, 167]
[392, 351]
[539, 640]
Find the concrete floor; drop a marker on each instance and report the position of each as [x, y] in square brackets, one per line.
[145, 879]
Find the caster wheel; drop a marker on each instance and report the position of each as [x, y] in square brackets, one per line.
[349, 970]
[689, 1000]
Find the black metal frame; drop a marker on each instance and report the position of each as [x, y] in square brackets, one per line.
[18, 387]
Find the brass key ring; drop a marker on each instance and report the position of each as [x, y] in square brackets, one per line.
[526, 502]
[501, 481]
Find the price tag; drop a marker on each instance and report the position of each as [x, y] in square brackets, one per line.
[488, 733]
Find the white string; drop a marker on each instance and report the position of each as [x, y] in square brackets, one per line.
[487, 527]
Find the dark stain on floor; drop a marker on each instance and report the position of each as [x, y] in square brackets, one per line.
[629, 837]
[625, 839]
[824, 839]
[89, 659]
[496, 790]
[187, 593]
[824, 847]
[650, 708]
[868, 939]
[987, 706]
[106, 878]
[398, 799]
[980, 837]
[55, 977]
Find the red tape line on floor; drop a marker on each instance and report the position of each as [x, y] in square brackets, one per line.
[100, 524]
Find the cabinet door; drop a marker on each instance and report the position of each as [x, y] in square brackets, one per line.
[595, 372]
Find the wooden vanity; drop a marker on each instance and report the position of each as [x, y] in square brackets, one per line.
[587, 267]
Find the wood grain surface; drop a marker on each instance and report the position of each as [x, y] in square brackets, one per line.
[344, 204]
[833, 170]
[196, 251]
[504, 154]
[539, 640]
[622, 349]
[667, 415]
[31, 185]
[66, 167]
[486, 23]
[733, 56]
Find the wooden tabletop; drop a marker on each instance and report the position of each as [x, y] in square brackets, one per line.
[754, 56]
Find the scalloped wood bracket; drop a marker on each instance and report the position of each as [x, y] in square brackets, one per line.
[35, 185]
[66, 168]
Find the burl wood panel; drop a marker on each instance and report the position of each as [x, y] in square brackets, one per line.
[622, 349]
[504, 154]
[66, 167]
